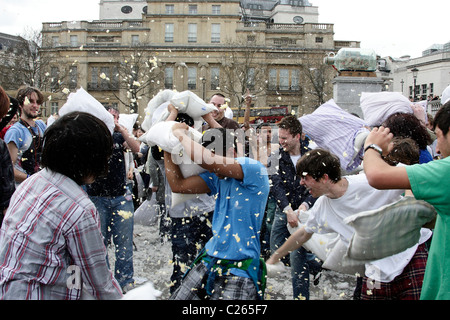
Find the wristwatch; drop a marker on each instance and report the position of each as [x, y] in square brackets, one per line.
[374, 147]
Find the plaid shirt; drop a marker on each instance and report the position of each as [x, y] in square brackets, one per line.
[51, 243]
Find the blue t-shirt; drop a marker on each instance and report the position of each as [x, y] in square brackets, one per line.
[21, 136]
[239, 212]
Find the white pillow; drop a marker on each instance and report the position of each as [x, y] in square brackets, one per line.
[378, 106]
[84, 102]
[186, 102]
[160, 134]
[191, 104]
[388, 230]
[445, 95]
[155, 103]
[318, 244]
[128, 121]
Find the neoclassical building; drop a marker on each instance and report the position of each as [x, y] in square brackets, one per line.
[273, 49]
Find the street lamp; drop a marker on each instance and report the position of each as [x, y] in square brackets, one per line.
[204, 88]
[415, 71]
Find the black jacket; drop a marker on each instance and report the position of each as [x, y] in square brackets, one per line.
[285, 187]
[7, 183]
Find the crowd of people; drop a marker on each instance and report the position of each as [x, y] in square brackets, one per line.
[69, 190]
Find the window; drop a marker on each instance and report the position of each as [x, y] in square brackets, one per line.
[74, 41]
[319, 39]
[295, 80]
[168, 78]
[284, 79]
[104, 76]
[192, 32]
[55, 41]
[170, 9]
[192, 78]
[251, 79]
[169, 32]
[273, 81]
[135, 40]
[192, 9]
[216, 9]
[94, 76]
[73, 77]
[127, 9]
[215, 33]
[54, 108]
[54, 74]
[215, 78]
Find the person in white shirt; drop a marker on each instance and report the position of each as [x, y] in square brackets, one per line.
[340, 197]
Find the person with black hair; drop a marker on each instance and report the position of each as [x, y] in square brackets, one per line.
[229, 267]
[189, 221]
[114, 201]
[24, 138]
[51, 245]
[7, 185]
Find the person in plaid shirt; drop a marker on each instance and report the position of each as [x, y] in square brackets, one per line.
[51, 246]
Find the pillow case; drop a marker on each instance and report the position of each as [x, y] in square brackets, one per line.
[84, 102]
[378, 106]
[388, 230]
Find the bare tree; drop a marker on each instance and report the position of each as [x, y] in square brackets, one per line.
[22, 63]
[139, 75]
[243, 68]
[318, 76]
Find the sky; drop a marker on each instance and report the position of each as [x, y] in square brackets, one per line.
[390, 27]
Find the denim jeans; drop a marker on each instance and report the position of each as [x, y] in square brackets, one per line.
[299, 260]
[120, 229]
[189, 236]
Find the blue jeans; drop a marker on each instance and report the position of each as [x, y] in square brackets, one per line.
[120, 229]
[299, 260]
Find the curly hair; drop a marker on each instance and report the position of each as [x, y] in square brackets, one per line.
[407, 125]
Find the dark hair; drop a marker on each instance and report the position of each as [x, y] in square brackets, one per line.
[218, 94]
[185, 118]
[219, 140]
[407, 125]
[442, 118]
[317, 163]
[405, 151]
[77, 145]
[25, 92]
[4, 103]
[291, 124]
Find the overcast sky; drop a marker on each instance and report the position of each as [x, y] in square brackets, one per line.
[390, 27]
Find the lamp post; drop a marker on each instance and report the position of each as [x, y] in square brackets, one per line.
[415, 71]
[204, 88]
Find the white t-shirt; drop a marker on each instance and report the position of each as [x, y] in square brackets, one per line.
[327, 215]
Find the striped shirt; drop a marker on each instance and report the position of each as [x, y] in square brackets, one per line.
[51, 246]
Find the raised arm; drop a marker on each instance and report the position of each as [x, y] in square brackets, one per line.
[380, 174]
[225, 166]
[179, 184]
